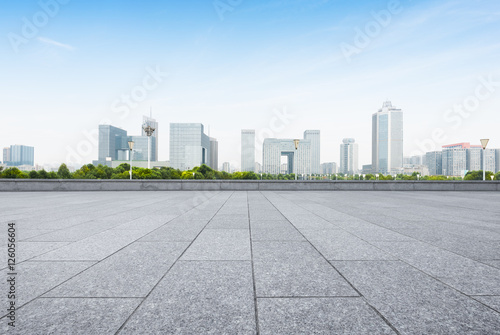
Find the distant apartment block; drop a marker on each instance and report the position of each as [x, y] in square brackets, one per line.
[226, 167]
[248, 150]
[19, 155]
[497, 160]
[329, 168]
[189, 146]
[387, 139]
[315, 138]
[6, 155]
[349, 157]
[454, 161]
[434, 162]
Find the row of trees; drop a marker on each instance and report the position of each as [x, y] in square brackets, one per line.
[90, 171]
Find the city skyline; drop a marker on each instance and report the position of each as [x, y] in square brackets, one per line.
[260, 61]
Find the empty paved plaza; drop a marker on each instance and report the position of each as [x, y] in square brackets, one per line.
[253, 262]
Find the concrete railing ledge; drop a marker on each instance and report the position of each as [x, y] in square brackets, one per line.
[77, 185]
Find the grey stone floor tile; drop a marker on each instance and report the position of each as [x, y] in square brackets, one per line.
[494, 263]
[198, 297]
[341, 245]
[36, 278]
[319, 316]
[375, 233]
[286, 233]
[72, 316]
[268, 224]
[96, 247]
[227, 222]
[75, 233]
[296, 278]
[491, 301]
[29, 250]
[220, 244]
[26, 234]
[310, 221]
[282, 251]
[147, 223]
[415, 303]
[265, 215]
[131, 272]
[466, 275]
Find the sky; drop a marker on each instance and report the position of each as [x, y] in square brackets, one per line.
[279, 67]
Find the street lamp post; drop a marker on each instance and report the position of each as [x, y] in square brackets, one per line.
[149, 131]
[484, 143]
[131, 147]
[296, 143]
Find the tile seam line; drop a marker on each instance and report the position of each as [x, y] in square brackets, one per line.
[3, 316]
[386, 321]
[173, 264]
[255, 297]
[398, 260]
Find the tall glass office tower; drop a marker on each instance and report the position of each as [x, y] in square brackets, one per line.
[349, 156]
[314, 136]
[248, 150]
[214, 154]
[21, 155]
[113, 142]
[189, 146]
[387, 139]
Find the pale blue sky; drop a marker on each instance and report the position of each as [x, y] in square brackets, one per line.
[231, 71]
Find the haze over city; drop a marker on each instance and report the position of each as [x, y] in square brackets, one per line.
[328, 64]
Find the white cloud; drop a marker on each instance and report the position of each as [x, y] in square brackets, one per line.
[55, 43]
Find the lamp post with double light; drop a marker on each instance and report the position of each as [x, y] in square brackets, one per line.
[131, 147]
[484, 143]
[296, 143]
[149, 131]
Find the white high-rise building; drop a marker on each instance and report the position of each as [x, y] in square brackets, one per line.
[149, 121]
[490, 160]
[314, 136]
[189, 146]
[387, 140]
[248, 150]
[214, 154]
[474, 158]
[298, 160]
[329, 168]
[226, 167]
[497, 160]
[349, 157]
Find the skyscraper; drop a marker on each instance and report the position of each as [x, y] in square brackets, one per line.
[141, 148]
[434, 162]
[497, 160]
[349, 157]
[6, 155]
[226, 167]
[314, 136]
[455, 159]
[189, 146]
[149, 121]
[387, 139]
[214, 154]
[490, 160]
[329, 168]
[113, 143]
[474, 158]
[21, 155]
[298, 160]
[248, 150]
